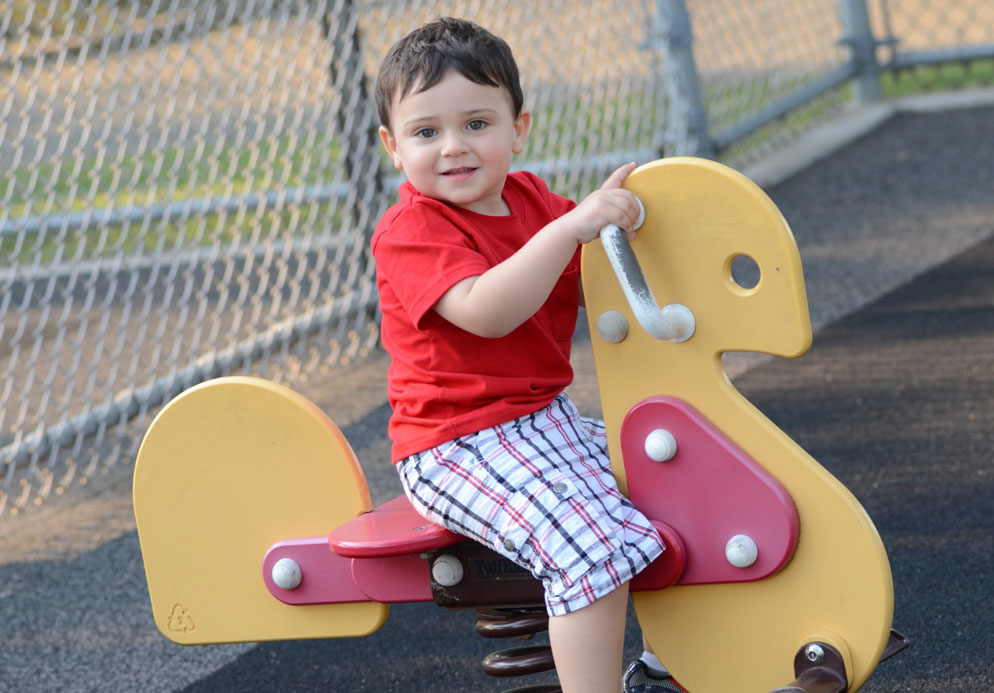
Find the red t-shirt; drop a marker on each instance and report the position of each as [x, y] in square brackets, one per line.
[445, 382]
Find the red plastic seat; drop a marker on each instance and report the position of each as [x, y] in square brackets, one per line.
[392, 529]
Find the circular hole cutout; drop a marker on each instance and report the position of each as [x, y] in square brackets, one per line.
[744, 272]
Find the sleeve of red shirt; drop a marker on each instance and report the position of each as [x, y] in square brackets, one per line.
[422, 255]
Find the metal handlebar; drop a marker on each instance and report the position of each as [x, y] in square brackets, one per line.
[674, 321]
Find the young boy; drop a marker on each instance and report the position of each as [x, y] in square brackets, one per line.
[478, 274]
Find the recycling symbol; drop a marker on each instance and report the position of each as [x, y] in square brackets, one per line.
[180, 620]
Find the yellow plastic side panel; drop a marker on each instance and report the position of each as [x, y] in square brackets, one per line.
[736, 637]
[228, 468]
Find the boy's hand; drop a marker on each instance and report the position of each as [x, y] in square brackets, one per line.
[502, 298]
[611, 204]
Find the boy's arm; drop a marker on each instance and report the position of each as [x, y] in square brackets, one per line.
[496, 302]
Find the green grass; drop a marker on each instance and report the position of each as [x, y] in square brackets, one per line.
[944, 77]
[196, 171]
[178, 173]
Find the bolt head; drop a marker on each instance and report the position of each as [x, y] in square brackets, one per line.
[447, 570]
[741, 551]
[660, 445]
[612, 326]
[814, 653]
[287, 574]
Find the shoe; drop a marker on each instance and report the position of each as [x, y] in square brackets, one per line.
[639, 679]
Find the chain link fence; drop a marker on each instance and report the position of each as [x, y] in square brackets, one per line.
[188, 188]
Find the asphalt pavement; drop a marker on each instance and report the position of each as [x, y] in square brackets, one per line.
[896, 232]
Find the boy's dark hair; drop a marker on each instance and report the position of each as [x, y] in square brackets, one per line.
[420, 60]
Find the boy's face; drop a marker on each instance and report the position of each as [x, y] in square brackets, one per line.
[455, 142]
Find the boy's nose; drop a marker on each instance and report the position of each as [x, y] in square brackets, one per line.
[453, 145]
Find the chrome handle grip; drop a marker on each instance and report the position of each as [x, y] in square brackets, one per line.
[674, 321]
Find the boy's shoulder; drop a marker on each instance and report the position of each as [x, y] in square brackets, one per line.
[527, 180]
[410, 202]
[413, 212]
[534, 194]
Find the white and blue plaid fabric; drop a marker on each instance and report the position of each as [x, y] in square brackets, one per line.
[539, 490]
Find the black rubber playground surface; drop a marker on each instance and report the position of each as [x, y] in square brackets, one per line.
[896, 398]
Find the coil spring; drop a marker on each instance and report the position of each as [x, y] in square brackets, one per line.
[522, 622]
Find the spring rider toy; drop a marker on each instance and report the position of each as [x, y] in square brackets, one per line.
[256, 523]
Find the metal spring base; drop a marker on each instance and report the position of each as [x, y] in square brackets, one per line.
[521, 622]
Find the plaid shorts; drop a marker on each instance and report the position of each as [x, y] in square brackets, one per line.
[539, 490]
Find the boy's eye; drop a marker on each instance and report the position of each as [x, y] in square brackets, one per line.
[476, 124]
[426, 133]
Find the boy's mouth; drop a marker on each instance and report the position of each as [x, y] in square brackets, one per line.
[458, 171]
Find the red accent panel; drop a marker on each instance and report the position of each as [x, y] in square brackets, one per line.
[667, 569]
[709, 492]
[392, 529]
[326, 578]
[393, 580]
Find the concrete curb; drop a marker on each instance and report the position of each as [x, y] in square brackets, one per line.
[854, 123]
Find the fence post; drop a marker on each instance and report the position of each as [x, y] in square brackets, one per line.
[858, 36]
[355, 115]
[675, 29]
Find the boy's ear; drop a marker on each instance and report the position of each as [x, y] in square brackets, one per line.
[390, 144]
[521, 125]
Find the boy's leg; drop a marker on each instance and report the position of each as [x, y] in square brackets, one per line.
[587, 644]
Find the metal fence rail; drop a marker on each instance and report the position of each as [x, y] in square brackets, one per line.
[187, 188]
